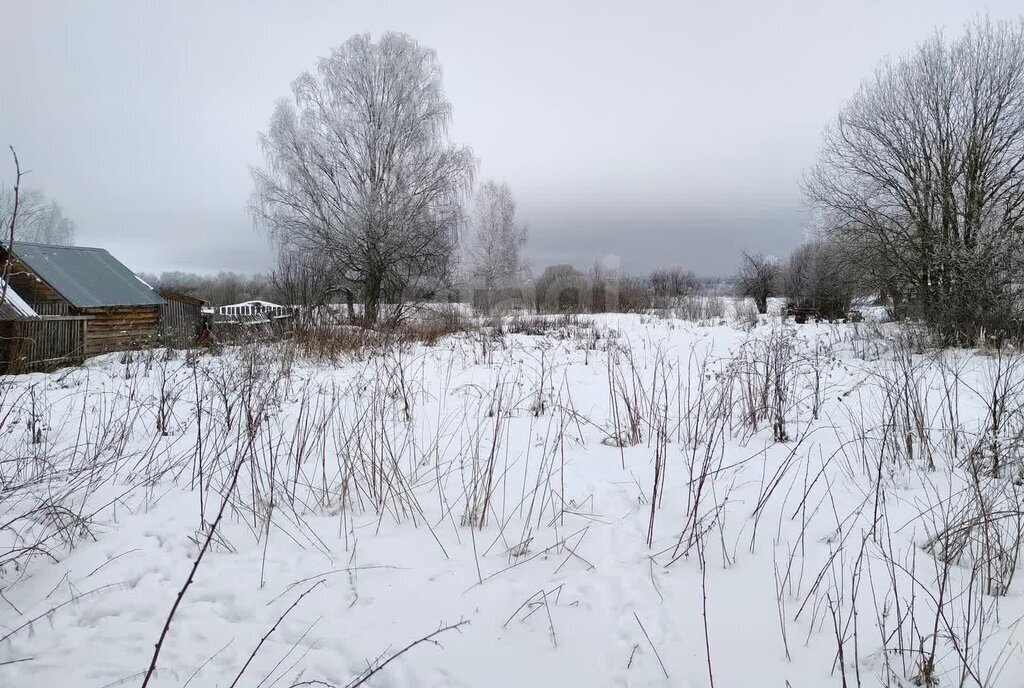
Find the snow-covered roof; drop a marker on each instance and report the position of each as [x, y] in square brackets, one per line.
[13, 306]
[254, 302]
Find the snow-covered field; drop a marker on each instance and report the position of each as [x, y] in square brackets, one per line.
[622, 500]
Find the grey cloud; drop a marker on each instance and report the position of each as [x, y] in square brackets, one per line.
[655, 131]
[641, 236]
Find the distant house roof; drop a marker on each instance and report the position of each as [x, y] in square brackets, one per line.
[252, 312]
[86, 277]
[13, 306]
[255, 303]
[172, 295]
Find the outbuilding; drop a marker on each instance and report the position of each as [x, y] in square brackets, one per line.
[86, 290]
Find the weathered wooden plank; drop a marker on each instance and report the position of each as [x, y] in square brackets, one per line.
[41, 344]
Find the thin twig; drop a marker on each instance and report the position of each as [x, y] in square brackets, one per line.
[272, 629]
[192, 573]
[365, 676]
[664, 670]
[55, 608]
[16, 661]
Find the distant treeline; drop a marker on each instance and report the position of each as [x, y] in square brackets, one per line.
[217, 290]
[230, 287]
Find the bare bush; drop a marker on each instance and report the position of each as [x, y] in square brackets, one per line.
[758, 279]
[702, 309]
[817, 276]
[561, 289]
[307, 281]
[671, 283]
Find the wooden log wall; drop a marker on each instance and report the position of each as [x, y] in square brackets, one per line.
[121, 328]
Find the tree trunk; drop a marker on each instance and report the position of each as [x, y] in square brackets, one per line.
[350, 302]
[372, 289]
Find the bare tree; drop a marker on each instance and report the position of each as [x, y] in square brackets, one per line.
[39, 220]
[52, 226]
[561, 289]
[818, 275]
[220, 289]
[613, 290]
[9, 222]
[758, 279]
[669, 283]
[494, 251]
[359, 168]
[302, 280]
[922, 175]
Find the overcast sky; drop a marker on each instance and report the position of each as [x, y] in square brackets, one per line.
[661, 133]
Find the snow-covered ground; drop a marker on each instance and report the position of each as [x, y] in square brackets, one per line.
[619, 501]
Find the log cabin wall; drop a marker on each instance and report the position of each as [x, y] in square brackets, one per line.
[121, 328]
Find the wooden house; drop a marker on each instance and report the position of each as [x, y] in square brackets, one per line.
[100, 304]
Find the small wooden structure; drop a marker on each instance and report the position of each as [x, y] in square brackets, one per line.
[181, 319]
[85, 302]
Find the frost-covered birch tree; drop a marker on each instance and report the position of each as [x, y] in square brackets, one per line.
[40, 220]
[494, 252]
[359, 168]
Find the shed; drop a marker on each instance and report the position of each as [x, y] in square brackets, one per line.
[116, 310]
[181, 318]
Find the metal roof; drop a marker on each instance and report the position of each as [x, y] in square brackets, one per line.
[86, 277]
[172, 295]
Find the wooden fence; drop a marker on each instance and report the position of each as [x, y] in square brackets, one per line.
[180, 323]
[240, 311]
[45, 343]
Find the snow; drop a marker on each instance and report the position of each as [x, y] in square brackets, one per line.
[16, 303]
[370, 468]
[255, 303]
